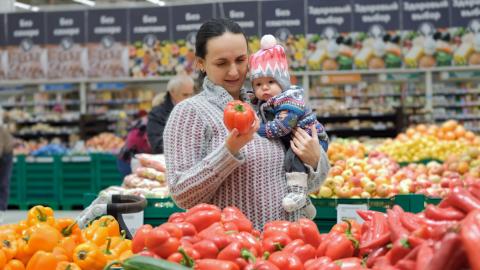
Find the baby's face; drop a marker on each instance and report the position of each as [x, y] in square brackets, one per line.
[265, 88]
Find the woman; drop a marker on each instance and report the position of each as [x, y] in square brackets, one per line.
[208, 164]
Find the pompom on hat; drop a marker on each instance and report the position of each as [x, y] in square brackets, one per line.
[270, 61]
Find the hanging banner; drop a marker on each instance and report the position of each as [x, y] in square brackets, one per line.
[464, 12]
[283, 18]
[3, 41]
[186, 20]
[27, 58]
[336, 14]
[107, 37]
[376, 13]
[148, 31]
[416, 13]
[66, 51]
[244, 13]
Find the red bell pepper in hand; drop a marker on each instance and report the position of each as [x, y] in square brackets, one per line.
[448, 213]
[286, 261]
[463, 200]
[470, 236]
[212, 264]
[310, 232]
[233, 215]
[138, 242]
[238, 253]
[261, 265]
[161, 243]
[304, 251]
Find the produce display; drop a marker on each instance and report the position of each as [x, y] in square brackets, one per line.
[105, 142]
[342, 149]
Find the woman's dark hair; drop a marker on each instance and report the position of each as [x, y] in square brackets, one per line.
[210, 29]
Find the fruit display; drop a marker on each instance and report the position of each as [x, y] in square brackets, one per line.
[105, 142]
[341, 149]
[42, 241]
[330, 53]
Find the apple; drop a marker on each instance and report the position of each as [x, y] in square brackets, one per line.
[338, 180]
[403, 189]
[370, 187]
[435, 179]
[329, 182]
[365, 195]
[365, 180]
[355, 181]
[343, 192]
[356, 191]
[383, 190]
[381, 180]
[325, 192]
[335, 170]
[347, 174]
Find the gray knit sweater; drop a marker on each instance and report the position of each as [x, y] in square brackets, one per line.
[200, 169]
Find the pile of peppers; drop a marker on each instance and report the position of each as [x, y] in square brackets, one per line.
[446, 236]
[45, 242]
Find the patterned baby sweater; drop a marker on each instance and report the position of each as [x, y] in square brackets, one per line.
[200, 169]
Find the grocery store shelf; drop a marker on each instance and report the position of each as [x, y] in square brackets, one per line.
[458, 117]
[459, 93]
[343, 118]
[458, 105]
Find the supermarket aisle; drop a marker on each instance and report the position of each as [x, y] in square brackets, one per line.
[14, 216]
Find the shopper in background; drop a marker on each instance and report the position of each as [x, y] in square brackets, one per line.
[179, 88]
[208, 164]
[6, 164]
[282, 108]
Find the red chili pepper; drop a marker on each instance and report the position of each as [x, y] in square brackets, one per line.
[406, 265]
[233, 215]
[475, 189]
[212, 264]
[203, 219]
[447, 213]
[435, 229]
[375, 254]
[351, 263]
[238, 253]
[138, 242]
[411, 221]
[447, 253]
[187, 228]
[251, 241]
[394, 221]
[470, 236]
[261, 265]
[425, 255]
[463, 200]
[366, 215]
[304, 251]
[400, 249]
[375, 233]
[286, 261]
[207, 249]
[315, 264]
[310, 231]
[161, 243]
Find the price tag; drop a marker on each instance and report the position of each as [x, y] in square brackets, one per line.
[349, 211]
[133, 221]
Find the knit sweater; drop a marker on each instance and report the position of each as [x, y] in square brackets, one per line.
[200, 169]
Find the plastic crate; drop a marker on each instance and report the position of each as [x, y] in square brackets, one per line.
[42, 181]
[77, 177]
[106, 171]
[16, 196]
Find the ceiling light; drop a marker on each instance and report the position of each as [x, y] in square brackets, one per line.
[25, 6]
[85, 2]
[157, 2]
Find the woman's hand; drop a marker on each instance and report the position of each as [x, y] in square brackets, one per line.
[235, 141]
[306, 147]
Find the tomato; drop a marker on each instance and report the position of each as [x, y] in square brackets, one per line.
[238, 114]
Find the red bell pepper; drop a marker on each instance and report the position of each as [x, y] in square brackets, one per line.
[349, 227]
[185, 256]
[470, 236]
[406, 264]
[207, 249]
[322, 263]
[238, 253]
[138, 242]
[177, 217]
[216, 233]
[425, 255]
[202, 219]
[249, 241]
[463, 200]
[304, 251]
[161, 243]
[172, 229]
[337, 246]
[352, 263]
[275, 242]
[448, 213]
[286, 261]
[233, 215]
[212, 264]
[292, 229]
[310, 232]
[261, 265]
[202, 207]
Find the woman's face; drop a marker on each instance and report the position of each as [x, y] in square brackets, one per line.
[226, 62]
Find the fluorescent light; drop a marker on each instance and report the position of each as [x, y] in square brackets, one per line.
[85, 2]
[157, 2]
[25, 6]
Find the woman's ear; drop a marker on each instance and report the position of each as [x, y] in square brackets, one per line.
[200, 64]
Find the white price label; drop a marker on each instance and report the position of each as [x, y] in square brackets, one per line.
[349, 211]
[133, 221]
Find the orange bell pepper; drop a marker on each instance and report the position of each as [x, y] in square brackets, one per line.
[42, 261]
[60, 254]
[123, 246]
[125, 255]
[112, 225]
[22, 253]
[14, 265]
[40, 214]
[110, 254]
[9, 246]
[21, 227]
[67, 266]
[41, 237]
[3, 259]
[89, 256]
[68, 244]
[68, 227]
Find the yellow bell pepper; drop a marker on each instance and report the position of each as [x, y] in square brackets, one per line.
[89, 256]
[41, 237]
[14, 265]
[67, 266]
[42, 261]
[40, 214]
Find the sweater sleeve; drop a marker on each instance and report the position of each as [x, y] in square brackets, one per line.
[193, 174]
[282, 125]
[317, 176]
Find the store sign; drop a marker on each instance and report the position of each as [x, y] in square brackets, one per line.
[110, 23]
[370, 13]
[65, 27]
[188, 19]
[464, 12]
[416, 13]
[322, 14]
[26, 29]
[149, 25]
[349, 212]
[282, 18]
[244, 13]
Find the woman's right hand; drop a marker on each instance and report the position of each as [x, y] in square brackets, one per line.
[235, 141]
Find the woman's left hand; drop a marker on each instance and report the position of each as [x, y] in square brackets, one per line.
[306, 147]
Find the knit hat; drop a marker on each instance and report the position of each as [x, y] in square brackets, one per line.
[270, 61]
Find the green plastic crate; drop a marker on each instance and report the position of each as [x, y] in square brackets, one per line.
[16, 193]
[107, 173]
[42, 181]
[77, 177]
